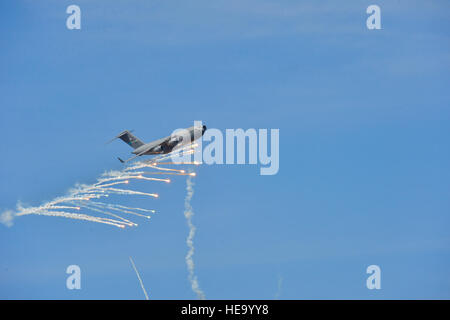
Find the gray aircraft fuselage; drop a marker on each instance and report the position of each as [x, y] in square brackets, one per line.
[168, 144]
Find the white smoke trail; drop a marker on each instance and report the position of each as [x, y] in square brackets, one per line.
[122, 209]
[100, 186]
[279, 284]
[180, 163]
[152, 179]
[62, 207]
[135, 175]
[130, 192]
[188, 213]
[7, 218]
[77, 216]
[151, 165]
[131, 208]
[80, 196]
[168, 169]
[166, 173]
[91, 207]
[139, 278]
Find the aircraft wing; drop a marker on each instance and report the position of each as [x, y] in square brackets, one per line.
[163, 145]
[150, 146]
[137, 155]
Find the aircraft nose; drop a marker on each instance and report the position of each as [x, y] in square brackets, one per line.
[204, 129]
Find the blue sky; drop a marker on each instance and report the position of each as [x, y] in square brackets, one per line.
[364, 153]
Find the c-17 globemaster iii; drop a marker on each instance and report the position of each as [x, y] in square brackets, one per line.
[163, 145]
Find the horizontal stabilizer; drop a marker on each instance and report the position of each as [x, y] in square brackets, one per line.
[129, 139]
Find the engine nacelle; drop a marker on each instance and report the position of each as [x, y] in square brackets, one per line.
[157, 149]
[174, 141]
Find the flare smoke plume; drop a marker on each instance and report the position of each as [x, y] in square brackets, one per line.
[79, 204]
[188, 213]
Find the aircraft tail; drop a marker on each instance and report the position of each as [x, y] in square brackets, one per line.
[129, 139]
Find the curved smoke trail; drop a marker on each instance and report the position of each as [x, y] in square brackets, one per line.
[80, 198]
[188, 213]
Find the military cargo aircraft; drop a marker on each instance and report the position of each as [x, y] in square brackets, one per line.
[163, 145]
